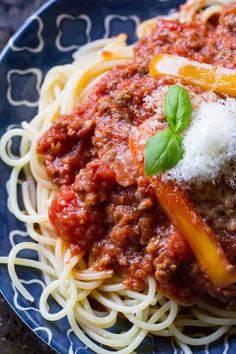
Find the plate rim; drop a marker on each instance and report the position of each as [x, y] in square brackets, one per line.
[24, 26]
[3, 54]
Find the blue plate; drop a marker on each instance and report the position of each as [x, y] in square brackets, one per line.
[49, 38]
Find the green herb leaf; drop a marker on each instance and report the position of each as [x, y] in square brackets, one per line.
[162, 152]
[177, 108]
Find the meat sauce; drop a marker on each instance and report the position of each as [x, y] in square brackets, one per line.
[105, 207]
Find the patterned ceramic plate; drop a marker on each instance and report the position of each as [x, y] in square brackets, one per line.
[49, 38]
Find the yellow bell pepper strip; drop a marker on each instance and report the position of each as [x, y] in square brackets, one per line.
[176, 203]
[211, 78]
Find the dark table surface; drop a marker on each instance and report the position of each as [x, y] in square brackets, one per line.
[15, 337]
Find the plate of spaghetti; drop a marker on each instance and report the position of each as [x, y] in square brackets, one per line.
[118, 176]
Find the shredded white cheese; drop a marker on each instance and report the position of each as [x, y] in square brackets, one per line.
[156, 100]
[209, 144]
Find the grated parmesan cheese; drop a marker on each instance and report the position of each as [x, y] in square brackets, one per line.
[210, 145]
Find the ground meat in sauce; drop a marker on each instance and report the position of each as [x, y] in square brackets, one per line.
[196, 41]
[105, 207]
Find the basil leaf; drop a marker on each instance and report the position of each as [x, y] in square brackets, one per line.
[177, 108]
[162, 152]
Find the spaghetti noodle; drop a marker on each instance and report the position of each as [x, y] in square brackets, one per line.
[70, 277]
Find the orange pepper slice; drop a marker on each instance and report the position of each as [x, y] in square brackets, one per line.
[211, 78]
[176, 203]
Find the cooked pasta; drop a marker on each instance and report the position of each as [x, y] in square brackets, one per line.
[70, 277]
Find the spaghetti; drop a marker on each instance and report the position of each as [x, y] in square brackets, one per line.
[69, 276]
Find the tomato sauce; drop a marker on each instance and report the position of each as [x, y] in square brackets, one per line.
[105, 207]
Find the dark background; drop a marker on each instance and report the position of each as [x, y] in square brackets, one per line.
[15, 337]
